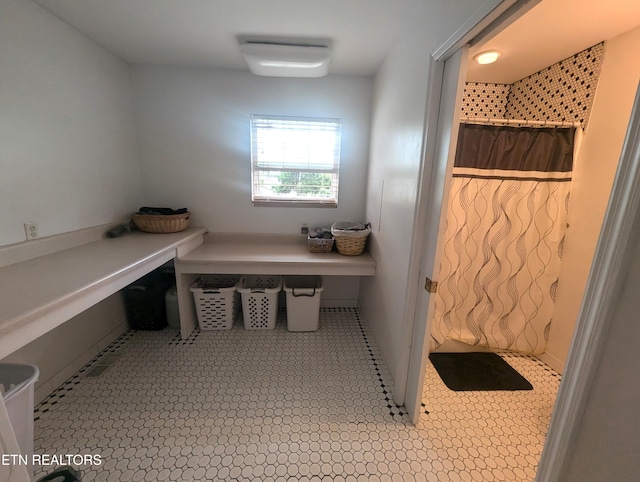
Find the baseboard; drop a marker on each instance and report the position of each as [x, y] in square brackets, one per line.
[338, 303]
[552, 361]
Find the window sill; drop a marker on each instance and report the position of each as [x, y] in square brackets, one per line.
[295, 204]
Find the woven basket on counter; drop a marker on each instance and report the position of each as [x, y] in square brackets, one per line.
[350, 246]
[350, 242]
[320, 245]
[160, 223]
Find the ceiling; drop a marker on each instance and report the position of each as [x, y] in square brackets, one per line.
[204, 33]
[550, 32]
[207, 33]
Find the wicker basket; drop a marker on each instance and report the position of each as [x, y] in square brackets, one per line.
[350, 242]
[349, 246]
[320, 245]
[160, 223]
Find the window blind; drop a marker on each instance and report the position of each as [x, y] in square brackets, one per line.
[295, 159]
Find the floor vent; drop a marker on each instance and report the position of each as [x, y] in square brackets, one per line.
[101, 366]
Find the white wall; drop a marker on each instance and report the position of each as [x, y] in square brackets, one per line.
[606, 445]
[391, 193]
[67, 133]
[68, 158]
[594, 171]
[397, 134]
[194, 141]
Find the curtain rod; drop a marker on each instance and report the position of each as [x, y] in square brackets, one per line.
[520, 121]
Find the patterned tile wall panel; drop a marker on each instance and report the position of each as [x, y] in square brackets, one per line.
[563, 92]
[485, 100]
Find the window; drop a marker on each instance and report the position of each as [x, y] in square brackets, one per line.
[295, 161]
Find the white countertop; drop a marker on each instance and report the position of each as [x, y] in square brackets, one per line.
[39, 294]
[269, 254]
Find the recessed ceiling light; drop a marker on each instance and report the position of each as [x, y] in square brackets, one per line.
[488, 57]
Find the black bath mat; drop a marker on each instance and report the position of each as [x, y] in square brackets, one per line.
[477, 371]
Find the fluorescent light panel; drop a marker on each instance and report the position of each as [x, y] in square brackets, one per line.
[281, 60]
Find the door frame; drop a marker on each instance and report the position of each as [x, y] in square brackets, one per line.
[602, 292]
[488, 20]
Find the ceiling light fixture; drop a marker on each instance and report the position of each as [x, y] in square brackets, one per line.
[283, 60]
[488, 57]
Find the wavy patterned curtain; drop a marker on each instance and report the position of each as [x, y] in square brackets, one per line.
[504, 233]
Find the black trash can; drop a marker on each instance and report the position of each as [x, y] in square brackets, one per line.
[145, 300]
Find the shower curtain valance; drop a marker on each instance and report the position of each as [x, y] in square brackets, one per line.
[503, 148]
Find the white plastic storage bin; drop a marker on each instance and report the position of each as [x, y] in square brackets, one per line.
[303, 302]
[260, 301]
[17, 386]
[217, 301]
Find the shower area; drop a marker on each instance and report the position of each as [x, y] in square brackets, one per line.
[504, 234]
[508, 206]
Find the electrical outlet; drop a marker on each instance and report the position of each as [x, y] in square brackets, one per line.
[31, 230]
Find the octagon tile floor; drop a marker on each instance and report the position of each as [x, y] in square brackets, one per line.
[274, 405]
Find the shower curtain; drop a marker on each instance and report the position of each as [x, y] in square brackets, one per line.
[504, 234]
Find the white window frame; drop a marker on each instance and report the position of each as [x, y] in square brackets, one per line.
[291, 153]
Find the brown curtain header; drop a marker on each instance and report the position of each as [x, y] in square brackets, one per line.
[515, 148]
